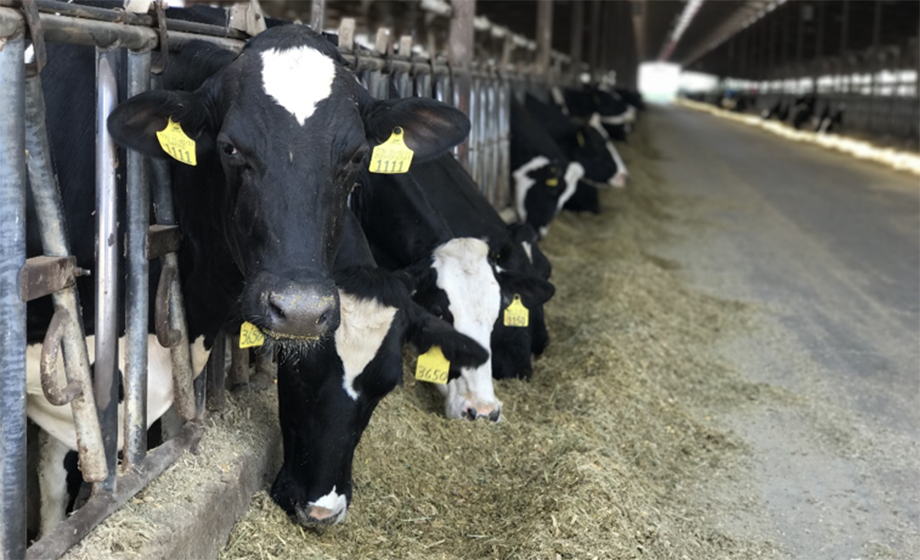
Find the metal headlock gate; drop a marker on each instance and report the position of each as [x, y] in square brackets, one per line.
[483, 90]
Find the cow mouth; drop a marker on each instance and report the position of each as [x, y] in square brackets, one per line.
[284, 337]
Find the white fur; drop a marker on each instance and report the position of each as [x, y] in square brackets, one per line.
[627, 116]
[58, 420]
[573, 173]
[297, 79]
[560, 100]
[335, 503]
[619, 179]
[52, 482]
[365, 323]
[523, 183]
[528, 248]
[475, 301]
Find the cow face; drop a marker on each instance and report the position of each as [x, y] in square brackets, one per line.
[280, 134]
[541, 187]
[459, 286]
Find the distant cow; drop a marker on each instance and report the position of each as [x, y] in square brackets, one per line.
[803, 109]
[280, 132]
[616, 115]
[543, 178]
[522, 269]
[587, 144]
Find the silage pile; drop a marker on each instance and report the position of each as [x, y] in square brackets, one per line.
[598, 457]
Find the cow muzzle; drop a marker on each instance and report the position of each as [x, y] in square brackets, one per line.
[328, 510]
[286, 309]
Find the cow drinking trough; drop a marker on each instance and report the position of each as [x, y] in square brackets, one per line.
[600, 455]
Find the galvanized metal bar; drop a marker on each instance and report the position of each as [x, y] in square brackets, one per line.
[52, 229]
[239, 363]
[577, 36]
[180, 354]
[12, 309]
[544, 35]
[73, 529]
[105, 368]
[217, 374]
[317, 14]
[473, 140]
[137, 283]
[66, 29]
[504, 138]
[460, 56]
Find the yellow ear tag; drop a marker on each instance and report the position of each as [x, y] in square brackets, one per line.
[432, 366]
[552, 182]
[250, 336]
[581, 139]
[516, 315]
[177, 144]
[393, 156]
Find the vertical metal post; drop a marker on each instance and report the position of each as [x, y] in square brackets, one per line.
[137, 283]
[105, 369]
[594, 51]
[317, 14]
[217, 374]
[844, 27]
[544, 35]
[503, 198]
[12, 309]
[875, 64]
[49, 212]
[576, 43]
[184, 396]
[474, 139]
[460, 56]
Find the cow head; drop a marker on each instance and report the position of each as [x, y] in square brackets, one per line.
[279, 135]
[541, 187]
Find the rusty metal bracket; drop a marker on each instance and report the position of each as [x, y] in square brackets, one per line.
[159, 66]
[49, 357]
[166, 336]
[43, 275]
[37, 36]
[162, 240]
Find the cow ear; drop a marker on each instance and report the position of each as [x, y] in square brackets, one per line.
[134, 124]
[533, 290]
[431, 127]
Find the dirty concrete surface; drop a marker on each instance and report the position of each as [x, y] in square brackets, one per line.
[827, 248]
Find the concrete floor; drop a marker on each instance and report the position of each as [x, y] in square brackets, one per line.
[827, 249]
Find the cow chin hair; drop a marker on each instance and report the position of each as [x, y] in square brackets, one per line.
[292, 349]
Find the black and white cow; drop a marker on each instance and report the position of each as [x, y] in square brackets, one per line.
[328, 393]
[542, 177]
[522, 269]
[803, 109]
[830, 119]
[588, 143]
[281, 131]
[448, 275]
[615, 114]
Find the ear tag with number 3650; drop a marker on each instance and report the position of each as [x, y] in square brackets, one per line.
[393, 156]
[516, 315]
[176, 143]
[432, 366]
[250, 336]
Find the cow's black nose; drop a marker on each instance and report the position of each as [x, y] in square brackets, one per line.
[298, 311]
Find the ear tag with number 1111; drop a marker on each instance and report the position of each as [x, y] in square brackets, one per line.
[432, 366]
[516, 315]
[176, 143]
[393, 156]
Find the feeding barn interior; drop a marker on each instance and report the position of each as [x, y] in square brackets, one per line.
[440, 279]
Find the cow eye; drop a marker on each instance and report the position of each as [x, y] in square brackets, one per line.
[229, 149]
[358, 157]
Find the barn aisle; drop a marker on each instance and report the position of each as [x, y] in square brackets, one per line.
[827, 249]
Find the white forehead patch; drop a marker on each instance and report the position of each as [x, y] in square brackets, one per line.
[297, 79]
[365, 323]
[474, 299]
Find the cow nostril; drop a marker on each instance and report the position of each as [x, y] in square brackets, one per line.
[324, 318]
[495, 415]
[471, 413]
[275, 309]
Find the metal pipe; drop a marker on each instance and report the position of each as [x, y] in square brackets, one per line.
[52, 229]
[317, 14]
[544, 34]
[180, 354]
[65, 29]
[460, 53]
[137, 207]
[12, 309]
[594, 51]
[105, 369]
[577, 36]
